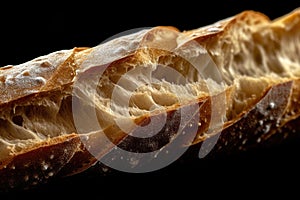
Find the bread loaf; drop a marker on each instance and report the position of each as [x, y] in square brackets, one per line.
[150, 95]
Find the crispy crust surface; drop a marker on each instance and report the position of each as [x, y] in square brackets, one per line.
[268, 119]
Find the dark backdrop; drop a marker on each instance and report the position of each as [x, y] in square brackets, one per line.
[31, 30]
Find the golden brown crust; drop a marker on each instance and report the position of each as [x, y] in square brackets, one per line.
[48, 80]
[225, 26]
[38, 165]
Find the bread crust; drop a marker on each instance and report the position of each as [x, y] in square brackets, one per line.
[269, 118]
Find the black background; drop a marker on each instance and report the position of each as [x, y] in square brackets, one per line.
[31, 30]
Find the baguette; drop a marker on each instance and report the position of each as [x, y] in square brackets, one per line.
[236, 87]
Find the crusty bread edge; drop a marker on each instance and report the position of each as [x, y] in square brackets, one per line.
[69, 148]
